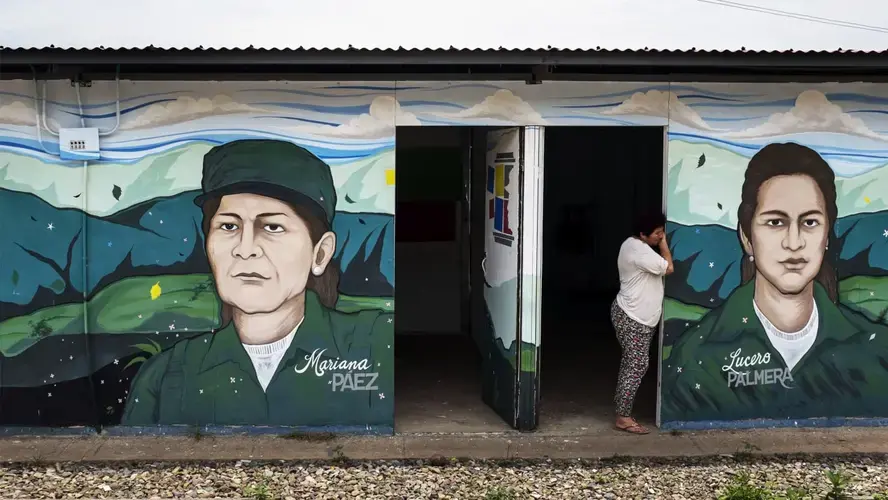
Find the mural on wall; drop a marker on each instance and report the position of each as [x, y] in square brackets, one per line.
[136, 277]
[239, 251]
[779, 228]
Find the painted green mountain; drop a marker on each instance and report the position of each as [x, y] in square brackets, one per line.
[180, 303]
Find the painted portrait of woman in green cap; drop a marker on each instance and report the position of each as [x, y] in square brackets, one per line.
[284, 355]
[781, 346]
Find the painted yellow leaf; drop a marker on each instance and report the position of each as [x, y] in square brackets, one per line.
[866, 200]
[155, 291]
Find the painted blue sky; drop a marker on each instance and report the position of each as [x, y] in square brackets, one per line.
[847, 124]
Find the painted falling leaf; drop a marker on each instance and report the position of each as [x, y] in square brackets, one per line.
[155, 291]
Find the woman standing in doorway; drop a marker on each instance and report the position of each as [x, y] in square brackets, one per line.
[636, 311]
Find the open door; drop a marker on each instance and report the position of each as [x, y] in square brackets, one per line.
[508, 322]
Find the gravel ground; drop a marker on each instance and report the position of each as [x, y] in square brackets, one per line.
[438, 479]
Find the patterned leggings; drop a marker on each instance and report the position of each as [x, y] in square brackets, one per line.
[635, 339]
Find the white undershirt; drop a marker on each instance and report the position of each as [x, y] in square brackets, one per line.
[267, 357]
[791, 346]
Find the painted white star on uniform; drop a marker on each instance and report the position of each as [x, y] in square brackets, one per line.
[119, 400]
[711, 265]
[232, 379]
[711, 300]
[390, 320]
[679, 369]
[872, 294]
[116, 361]
[50, 226]
[388, 304]
[746, 320]
[185, 240]
[201, 391]
[884, 233]
[140, 316]
[697, 386]
[52, 375]
[70, 358]
[172, 327]
[137, 399]
[381, 396]
[49, 394]
[102, 382]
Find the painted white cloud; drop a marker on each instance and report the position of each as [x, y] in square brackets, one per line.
[384, 114]
[503, 105]
[186, 108]
[18, 113]
[662, 105]
[812, 112]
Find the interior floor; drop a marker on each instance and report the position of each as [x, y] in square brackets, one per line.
[438, 380]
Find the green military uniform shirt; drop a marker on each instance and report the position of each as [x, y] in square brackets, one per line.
[725, 368]
[337, 371]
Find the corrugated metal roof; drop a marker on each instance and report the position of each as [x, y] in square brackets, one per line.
[711, 26]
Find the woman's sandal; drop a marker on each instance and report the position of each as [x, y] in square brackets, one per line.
[634, 428]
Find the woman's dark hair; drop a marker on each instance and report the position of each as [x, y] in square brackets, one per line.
[788, 158]
[647, 222]
[326, 286]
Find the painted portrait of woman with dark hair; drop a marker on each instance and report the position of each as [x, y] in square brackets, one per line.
[781, 346]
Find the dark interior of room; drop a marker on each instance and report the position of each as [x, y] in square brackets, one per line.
[596, 180]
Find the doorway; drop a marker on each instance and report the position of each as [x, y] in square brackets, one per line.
[597, 179]
[438, 382]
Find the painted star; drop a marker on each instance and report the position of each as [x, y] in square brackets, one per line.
[116, 361]
[388, 304]
[711, 300]
[201, 391]
[119, 400]
[70, 358]
[232, 379]
[52, 375]
[102, 382]
[381, 396]
[884, 233]
[49, 394]
[697, 386]
[872, 336]
[185, 240]
[137, 399]
[140, 316]
[161, 221]
[172, 327]
[110, 244]
[390, 320]
[746, 320]
[678, 369]
[711, 265]
[872, 294]
[51, 227]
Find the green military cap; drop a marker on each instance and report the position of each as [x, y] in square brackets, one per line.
[273, 168]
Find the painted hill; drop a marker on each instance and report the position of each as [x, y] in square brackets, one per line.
[43, 247]
[707, 258]
[361, 184]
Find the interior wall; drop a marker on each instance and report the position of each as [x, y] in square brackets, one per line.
[428, 243]
[588, 214]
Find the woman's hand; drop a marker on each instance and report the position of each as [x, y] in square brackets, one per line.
[664, 251]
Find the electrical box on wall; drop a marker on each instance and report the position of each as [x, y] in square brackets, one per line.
[79, 144]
